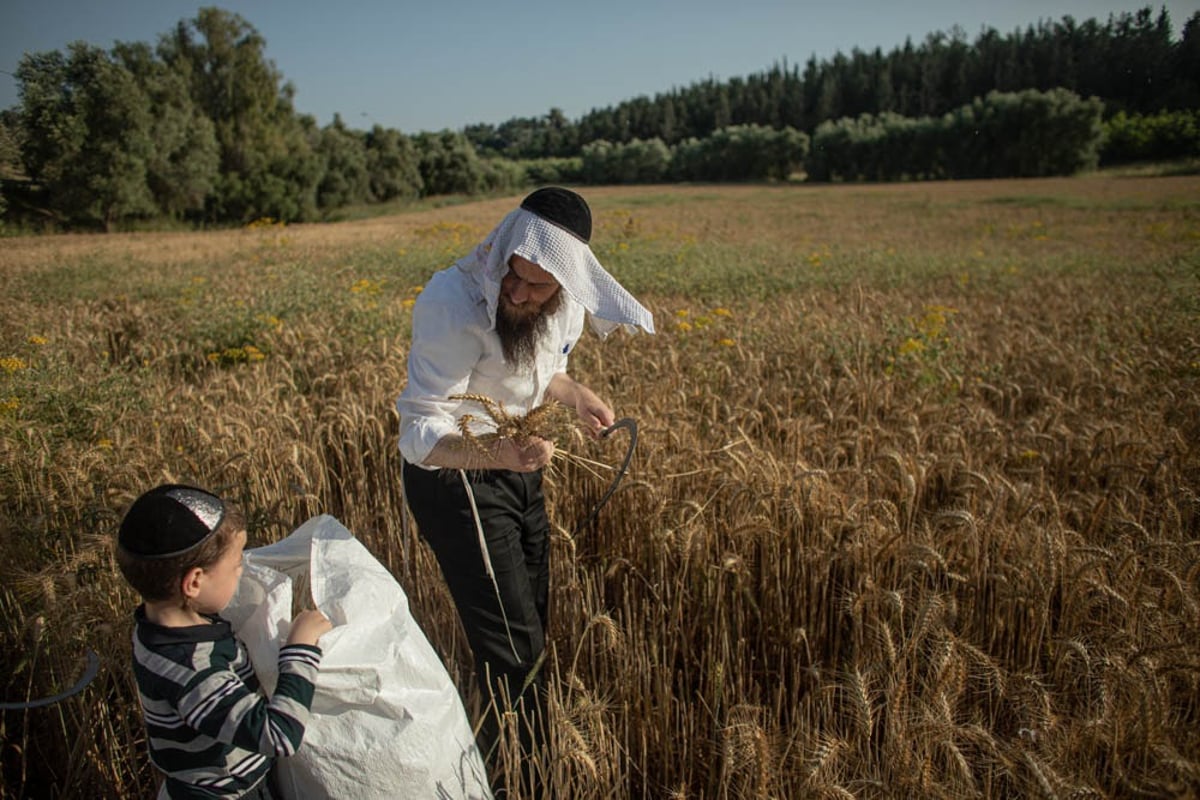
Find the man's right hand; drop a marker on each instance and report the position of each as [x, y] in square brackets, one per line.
[528, 455]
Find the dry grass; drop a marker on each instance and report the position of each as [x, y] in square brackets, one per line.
[914, 511]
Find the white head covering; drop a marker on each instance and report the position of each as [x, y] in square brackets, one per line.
[567, 258]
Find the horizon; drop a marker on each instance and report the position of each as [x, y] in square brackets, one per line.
[459, 69]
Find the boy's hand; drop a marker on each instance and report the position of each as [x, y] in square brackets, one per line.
[308, 626]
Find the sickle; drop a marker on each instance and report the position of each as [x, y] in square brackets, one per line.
[631, 426]
[89, 672]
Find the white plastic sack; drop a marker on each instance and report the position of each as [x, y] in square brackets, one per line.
[387, 721]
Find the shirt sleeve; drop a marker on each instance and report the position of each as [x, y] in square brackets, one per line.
[219, 704]
[445, 349]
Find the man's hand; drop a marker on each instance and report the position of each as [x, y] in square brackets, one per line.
[593, 412]
[528, 455]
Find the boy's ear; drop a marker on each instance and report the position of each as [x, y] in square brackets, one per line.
[189, 585]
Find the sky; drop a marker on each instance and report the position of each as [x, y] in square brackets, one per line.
[445, 64]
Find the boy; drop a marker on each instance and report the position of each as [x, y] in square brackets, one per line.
[208, 727]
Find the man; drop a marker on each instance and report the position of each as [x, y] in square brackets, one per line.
[501, 323]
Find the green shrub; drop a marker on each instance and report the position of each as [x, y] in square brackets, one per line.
[1014, 134]
[1151, 137]
[741, 153]
[638, 161]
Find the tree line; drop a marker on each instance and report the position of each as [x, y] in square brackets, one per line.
[201, 127]
[1131, 62]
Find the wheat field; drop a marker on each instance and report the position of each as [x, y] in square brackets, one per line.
[914, 510]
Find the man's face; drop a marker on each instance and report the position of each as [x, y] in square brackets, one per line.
[526, 288]
[528, 296]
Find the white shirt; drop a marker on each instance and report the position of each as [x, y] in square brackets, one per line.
[455, 350]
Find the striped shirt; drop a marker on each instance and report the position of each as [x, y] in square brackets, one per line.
[209, 727]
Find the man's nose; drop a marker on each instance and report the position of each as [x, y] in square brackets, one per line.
[519, 292]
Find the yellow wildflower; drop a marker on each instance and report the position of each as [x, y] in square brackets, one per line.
[11, 364]
[683, 326]
[38, 340]
[271, 321]
[722, 312]
[726, 342]
[911, 346]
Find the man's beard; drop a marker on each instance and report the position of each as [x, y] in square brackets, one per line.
[520, 330]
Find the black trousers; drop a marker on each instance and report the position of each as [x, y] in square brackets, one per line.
[501, 598]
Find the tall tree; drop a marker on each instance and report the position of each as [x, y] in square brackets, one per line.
[11, 132]
[1143, 52]
[87, 135]
[1186, 70]
[393, 165]
[11, 170]
[268, 165]
[181, 169]
[346, 179]
[829, 96]
[560, 138]
[449, 164]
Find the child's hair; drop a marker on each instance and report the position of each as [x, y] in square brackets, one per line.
[159, 578]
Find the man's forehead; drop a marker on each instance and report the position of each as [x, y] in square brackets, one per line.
[529, 271]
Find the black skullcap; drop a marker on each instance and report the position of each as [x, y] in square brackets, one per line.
[169, 520]
[562, 207]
